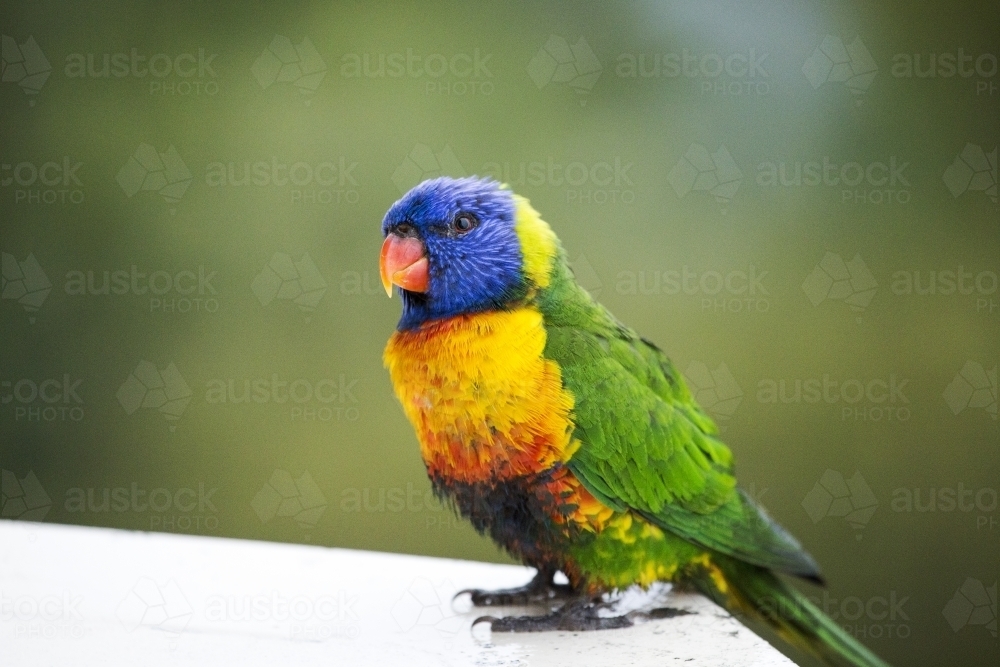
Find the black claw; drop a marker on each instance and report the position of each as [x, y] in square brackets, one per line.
[540, 589]
[470, 591]
[484, 619]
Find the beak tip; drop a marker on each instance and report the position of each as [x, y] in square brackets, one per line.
[386, 281]
[383, 273]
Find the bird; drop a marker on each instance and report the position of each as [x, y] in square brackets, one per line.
[566, 437]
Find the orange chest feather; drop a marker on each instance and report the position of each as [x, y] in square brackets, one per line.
[485, 403]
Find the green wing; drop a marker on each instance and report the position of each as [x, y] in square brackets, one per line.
[645, 444]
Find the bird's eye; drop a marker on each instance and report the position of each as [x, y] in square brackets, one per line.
[464, 222]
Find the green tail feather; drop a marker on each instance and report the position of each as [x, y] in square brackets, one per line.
[757, 593]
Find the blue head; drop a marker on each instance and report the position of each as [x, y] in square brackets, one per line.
[452, 248]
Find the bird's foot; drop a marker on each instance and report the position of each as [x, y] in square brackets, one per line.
[541, 589]
[574, 616]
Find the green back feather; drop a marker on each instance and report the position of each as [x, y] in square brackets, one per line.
[645, 443]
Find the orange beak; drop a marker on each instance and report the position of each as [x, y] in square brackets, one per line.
[403, 262]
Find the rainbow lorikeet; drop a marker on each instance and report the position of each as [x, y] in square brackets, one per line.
[566, 437]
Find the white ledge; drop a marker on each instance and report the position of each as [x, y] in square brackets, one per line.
[89, 596]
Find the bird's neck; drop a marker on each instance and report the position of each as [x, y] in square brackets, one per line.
[419, 310]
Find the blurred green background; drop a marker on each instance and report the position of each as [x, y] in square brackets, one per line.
[233, 161]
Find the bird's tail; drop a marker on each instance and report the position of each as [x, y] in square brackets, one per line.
[749, 591]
